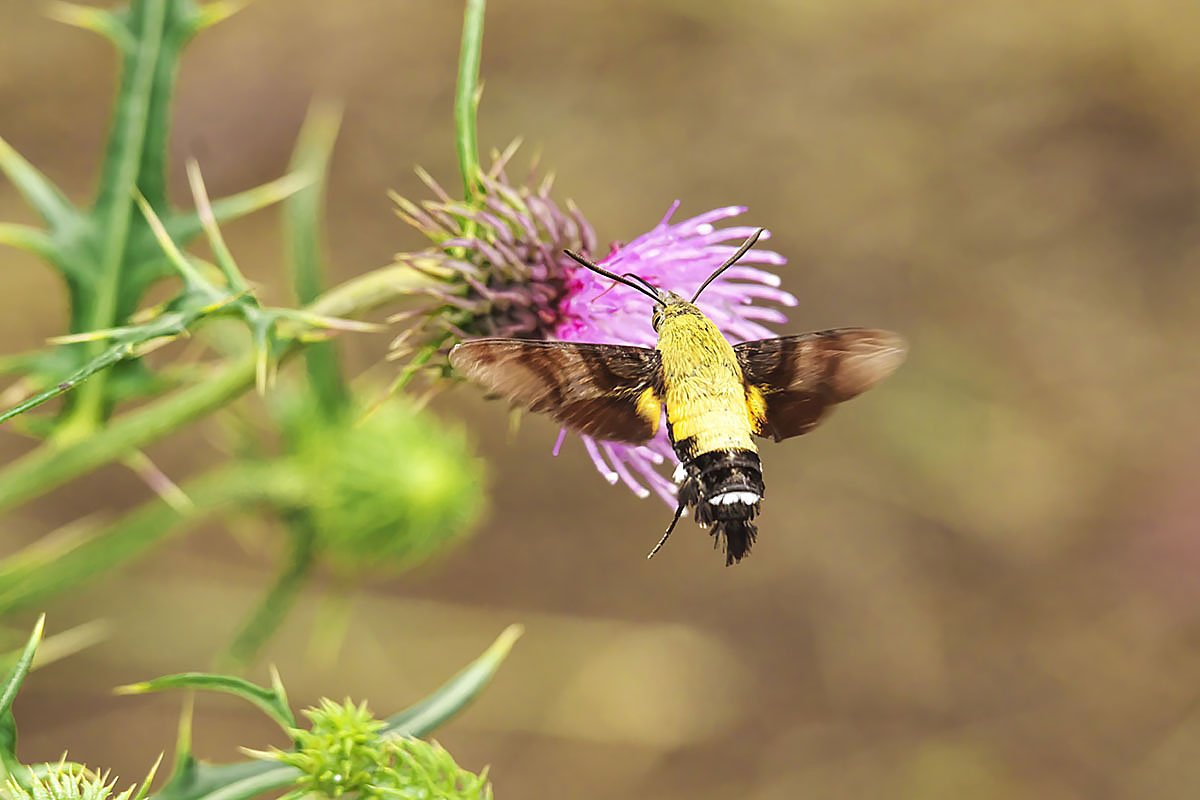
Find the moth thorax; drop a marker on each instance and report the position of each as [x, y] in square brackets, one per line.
[690, 332]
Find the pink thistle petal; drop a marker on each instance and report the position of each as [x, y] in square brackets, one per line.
[601, 465]
[746, 292]
[618, 463]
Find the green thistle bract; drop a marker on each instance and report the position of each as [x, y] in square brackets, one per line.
[64, 781]
[391, 489]
[344, 753]
[502, 263]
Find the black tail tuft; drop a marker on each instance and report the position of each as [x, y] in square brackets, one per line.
[711, 476]
[736, 536]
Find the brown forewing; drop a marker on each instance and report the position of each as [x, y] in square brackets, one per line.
[802, 377]
[590, 388]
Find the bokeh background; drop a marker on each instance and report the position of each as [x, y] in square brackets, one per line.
[978, 580]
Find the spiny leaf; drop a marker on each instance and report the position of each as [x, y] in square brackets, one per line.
[233, 276]
[29, 239]
[196, 780]
[456, 693]
[38, 190]
[190, 276]
[144, 788]
[182, 227]
[10, 767]
[159, 482]
[106, 359]
[97, 20]
[211, 13]
[128, 342]
[269, 701]
[8, 689]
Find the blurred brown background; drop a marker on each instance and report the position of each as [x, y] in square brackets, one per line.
[980, 580]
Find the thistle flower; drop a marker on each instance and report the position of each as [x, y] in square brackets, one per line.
[64, 781]
[345, 753]
[501, 272]
[500, 267]
[366, 507]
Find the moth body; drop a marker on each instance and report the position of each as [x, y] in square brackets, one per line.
[710, 425]
[715, 397]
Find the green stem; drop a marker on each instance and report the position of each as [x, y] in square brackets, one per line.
[372, 290]
[30, 239]
[52, 465]
[114, 208]
[148, 525]
[466, 98]
[415, 363]
[270, 612]
[183, 18]
[302, 231]
[39, 191]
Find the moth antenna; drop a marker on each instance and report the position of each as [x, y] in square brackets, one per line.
[612, 276]
[642, 281]
[667, 535]
[741, 251]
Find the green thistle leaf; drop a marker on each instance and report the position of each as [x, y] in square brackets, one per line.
[271, 701]
[12, 682]
[8, 691]
[39, 191]
[431, 713]
[195, 780]
[344, 752]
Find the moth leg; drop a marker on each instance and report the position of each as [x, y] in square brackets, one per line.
[671, 527]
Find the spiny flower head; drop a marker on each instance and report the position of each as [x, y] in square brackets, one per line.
[64, 781]
[500, 265]
[500, 270]
[339, 753]
[391, 489]
[346, 752]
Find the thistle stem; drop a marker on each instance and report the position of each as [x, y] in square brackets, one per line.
[272, 609]
[52, 465]
[302, 231]
[114, 210]
[466, 98]
[149, 524]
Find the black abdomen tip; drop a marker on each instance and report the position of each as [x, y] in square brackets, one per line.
[738, 536]
[724, 489]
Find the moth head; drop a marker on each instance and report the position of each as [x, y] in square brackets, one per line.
[667, 304]
[671, 307]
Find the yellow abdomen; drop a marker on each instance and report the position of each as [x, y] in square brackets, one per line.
[704, 391]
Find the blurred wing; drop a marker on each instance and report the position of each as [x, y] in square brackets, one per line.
[793, 381]
[601, 390]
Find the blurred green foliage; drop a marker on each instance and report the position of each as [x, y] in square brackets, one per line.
[380, 491]
[386, 492]
[345, 750]
[337, 486]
